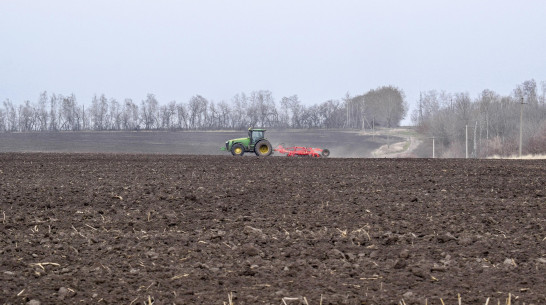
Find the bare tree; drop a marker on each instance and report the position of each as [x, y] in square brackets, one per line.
[130, 117]
[68, 114]
[332, 114]
[542, 98]
[311, 117]
[293, 109]
[99, 112]
[358, 110]
[213, 117]
[167, 115]
[149, 112]
[182, 115]
[240, 105]
[224, 113]
[429, 105]
[197, 108]
[116, 114]
[2, 120]
[493, 119]
[527, 91]
[262, 110]
[41, 112]
[171, 108]
[11, 116]
[53, 113]
[26, 117]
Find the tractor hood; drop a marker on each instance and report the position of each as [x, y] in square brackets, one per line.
[244, 141]
[239, 140]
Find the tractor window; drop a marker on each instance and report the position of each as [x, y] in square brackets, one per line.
[256, 136]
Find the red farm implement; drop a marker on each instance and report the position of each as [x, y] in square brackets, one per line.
[300, 151]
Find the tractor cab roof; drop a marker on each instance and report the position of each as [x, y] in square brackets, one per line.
[256, 129]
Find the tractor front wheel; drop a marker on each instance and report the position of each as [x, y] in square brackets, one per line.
[237, 149]
[263, 148]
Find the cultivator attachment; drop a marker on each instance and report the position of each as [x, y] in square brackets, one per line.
[300, 151]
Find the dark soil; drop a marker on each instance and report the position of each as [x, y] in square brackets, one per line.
[135, 229]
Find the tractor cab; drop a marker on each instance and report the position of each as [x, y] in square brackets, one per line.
[255, 135]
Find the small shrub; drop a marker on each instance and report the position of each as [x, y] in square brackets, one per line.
[537, 143]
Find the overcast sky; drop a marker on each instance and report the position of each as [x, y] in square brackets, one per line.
[319, 50]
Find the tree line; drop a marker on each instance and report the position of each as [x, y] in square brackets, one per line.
[384, 106]
[488, 124]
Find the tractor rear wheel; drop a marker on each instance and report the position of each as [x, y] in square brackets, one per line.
[263, 148]
[237, 149]
[325, 153]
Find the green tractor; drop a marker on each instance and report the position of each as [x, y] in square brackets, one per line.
[254, 143]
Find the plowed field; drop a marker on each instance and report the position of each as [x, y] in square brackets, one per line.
[165, 229]
[341, 143]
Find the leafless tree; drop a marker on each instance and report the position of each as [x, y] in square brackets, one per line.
[197, 108]
[68, 113]
[168, 115]
[292, 111]
[493, 119]
[262, 110]
[224, 114]
[130, 118]
[542, 98]
[115, 115]
[2, 120]
[332, 114]
[99, 112]
[27, 118]
[53, 113]
[41, 112]
[11, 116]
[182, 115]
[149, 109]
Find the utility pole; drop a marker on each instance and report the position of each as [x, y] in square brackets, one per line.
[346, 125]
[420, 109]
[373, 128]
[347, 121]
[520, 126]
[466, 141]
[433, 150]
[475, 148]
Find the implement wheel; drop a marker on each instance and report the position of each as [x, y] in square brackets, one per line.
[263, 148]
[325, 153]
[237, 149]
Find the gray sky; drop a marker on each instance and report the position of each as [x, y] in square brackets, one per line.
[316, 49]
